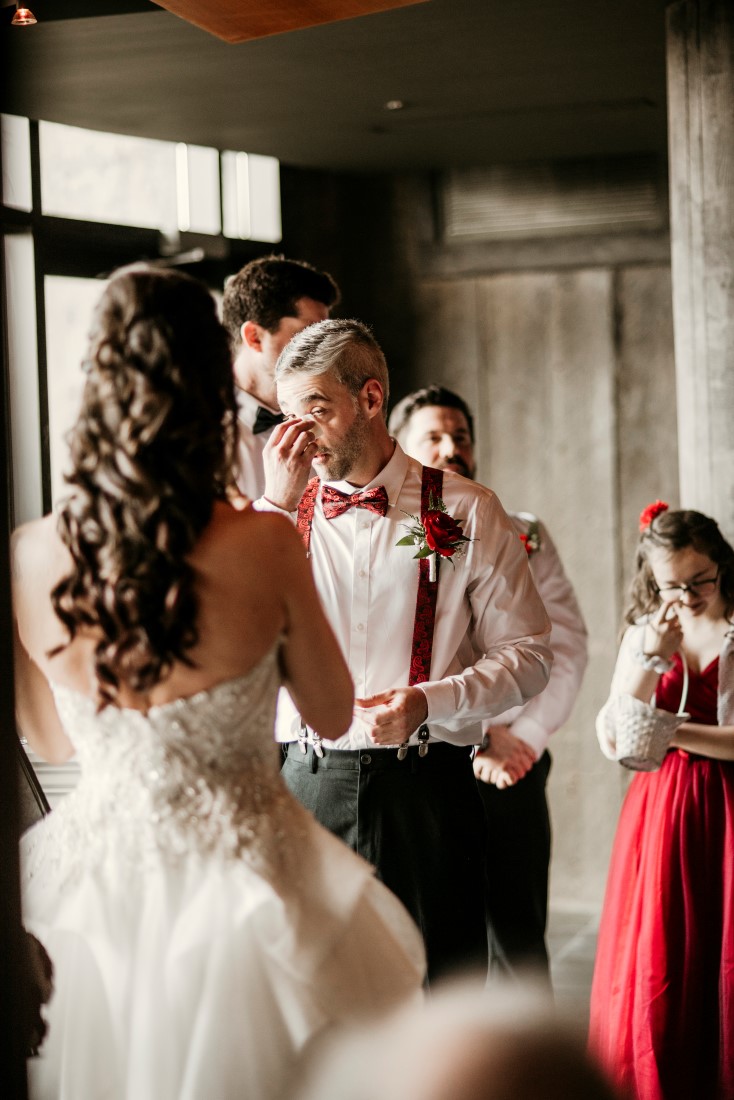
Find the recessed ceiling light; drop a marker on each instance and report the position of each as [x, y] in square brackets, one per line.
[23, 17]
[394, 105]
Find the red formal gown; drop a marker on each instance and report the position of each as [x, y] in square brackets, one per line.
[662, 1001]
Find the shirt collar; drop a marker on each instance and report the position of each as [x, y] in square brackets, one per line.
[247, 407]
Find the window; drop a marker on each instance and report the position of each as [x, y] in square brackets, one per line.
[197, 175]
[23, 383]
[156, 184]
[16, 145]
[107, 177]
[69, 306]
[251, 197]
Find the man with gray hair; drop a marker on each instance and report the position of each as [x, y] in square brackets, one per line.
[428, 590]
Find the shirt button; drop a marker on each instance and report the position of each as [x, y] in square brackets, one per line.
[363, 573]
[360, 627]
[365, 758]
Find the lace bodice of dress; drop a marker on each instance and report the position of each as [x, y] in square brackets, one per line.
[199, 775]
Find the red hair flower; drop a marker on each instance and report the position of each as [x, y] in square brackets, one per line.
[647, 515]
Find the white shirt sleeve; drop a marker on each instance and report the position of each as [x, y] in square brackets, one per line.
[262, 504]
[510, 631]
[538, 719]
[605, 720]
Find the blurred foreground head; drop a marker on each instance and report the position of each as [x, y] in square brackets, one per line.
[465, 1043]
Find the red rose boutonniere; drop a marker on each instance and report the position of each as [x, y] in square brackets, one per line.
[438, 534]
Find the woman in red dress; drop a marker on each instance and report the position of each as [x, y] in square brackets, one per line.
[662, 1001]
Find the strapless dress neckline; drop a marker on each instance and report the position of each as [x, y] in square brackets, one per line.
[203, 694]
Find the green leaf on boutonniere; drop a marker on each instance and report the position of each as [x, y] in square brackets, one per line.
[424, 552]
[409, 540]
[436, 504]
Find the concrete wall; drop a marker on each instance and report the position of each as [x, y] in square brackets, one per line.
[572, 377]
[565, 350]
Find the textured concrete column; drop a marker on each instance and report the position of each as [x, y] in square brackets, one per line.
[700, 55]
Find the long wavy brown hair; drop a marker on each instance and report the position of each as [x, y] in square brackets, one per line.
[152, 450]
[671, 531]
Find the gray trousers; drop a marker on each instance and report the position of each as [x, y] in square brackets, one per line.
[419, 821]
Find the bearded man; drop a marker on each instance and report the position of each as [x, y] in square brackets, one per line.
[428, 590]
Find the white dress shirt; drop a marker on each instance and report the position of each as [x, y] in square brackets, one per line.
[490, 648]
[545, 713]
[250, 470]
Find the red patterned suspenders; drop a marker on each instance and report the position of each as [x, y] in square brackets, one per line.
[425, 605]
[304, 518]
[425, 609]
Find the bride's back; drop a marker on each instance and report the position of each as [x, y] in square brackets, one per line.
[148, 586]
[242, 569]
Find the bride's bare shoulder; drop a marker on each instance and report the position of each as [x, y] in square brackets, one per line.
[243, 543]
[266, 529]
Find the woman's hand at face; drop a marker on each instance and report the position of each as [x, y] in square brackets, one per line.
[663, 633]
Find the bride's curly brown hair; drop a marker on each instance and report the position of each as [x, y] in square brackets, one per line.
[152, 450]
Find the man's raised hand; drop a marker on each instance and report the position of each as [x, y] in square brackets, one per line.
[287, 459]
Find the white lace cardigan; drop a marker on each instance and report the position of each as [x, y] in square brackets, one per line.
[632, 643]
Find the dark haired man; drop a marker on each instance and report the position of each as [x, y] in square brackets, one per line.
[265, 304]
[436, 427]
[431, 655]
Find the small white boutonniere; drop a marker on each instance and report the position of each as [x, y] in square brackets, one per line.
[531, 540]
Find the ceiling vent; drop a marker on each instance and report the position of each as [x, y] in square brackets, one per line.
[561, 198]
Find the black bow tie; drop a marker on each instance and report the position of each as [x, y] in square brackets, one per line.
[265, 420]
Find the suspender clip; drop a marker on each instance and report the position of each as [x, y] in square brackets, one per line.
[423, 740]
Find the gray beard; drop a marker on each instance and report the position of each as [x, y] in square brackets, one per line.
[340, 465]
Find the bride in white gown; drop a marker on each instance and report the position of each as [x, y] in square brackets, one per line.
[202, 926]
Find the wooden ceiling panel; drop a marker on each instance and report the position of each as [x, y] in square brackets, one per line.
[243, 20]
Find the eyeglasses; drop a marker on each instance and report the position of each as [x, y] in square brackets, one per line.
[697, 588]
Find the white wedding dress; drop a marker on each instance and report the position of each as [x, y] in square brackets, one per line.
[203, 927]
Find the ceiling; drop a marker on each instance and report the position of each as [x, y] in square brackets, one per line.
[242, 20]
[481, 81]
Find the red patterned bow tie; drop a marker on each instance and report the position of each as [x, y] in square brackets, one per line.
[335, 503]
